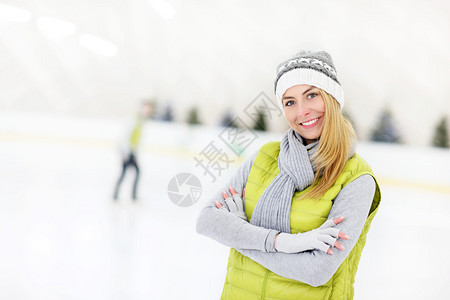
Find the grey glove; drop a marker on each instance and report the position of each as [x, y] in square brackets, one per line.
[320, 238]
[236, 206]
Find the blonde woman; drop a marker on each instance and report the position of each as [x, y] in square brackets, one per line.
[309, 199]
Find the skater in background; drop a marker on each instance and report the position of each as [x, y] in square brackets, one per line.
[129, 146]
[309, 199]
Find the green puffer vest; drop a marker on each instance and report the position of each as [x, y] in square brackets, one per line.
[136, 133]
[248, 280]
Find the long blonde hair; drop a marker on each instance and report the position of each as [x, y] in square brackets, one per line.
[336, 141]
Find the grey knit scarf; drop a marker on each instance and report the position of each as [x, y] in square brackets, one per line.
[296, 173]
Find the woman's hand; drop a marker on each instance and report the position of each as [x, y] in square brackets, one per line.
[341, 235]
[322, 238]
[234, 203]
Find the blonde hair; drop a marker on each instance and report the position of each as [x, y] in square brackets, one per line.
[336, 140]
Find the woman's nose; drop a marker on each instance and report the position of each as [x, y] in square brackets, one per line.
[302, 110]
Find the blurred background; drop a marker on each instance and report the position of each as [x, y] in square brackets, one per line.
[75, 76]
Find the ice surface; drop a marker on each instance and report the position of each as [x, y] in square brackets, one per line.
[62, 237]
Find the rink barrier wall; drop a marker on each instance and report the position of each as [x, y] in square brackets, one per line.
[186, 153]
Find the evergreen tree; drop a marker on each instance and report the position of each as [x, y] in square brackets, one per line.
[385, 131]
[440, 138]
[260, 123]
[193, 116]
[228, 120]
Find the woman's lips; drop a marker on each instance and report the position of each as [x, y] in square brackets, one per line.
[310, 124]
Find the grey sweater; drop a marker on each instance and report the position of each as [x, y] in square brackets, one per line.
[312, 267]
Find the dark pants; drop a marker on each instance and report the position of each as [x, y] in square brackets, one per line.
[130, 161]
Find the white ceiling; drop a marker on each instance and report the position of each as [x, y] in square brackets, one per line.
[222, 54]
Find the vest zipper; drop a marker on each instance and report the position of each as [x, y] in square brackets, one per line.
[263, 293]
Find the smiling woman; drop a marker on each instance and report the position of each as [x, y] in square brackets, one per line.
[309, 199]
[304, 110]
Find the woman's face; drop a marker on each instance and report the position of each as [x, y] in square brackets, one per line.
[304, 110]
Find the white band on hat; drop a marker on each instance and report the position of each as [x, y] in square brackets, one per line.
[312, 77]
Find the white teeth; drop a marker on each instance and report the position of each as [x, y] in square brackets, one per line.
[309, 122]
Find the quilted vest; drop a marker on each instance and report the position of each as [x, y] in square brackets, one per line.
[248, 280]
[136, 133]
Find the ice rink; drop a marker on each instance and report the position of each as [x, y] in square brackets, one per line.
[63, 237]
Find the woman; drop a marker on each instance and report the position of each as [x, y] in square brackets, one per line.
[309, 200]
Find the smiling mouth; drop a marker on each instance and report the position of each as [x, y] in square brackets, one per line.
[309, 122]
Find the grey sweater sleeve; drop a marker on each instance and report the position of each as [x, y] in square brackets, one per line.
[228, 229]
[316, 267]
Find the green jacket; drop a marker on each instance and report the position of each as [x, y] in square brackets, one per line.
[248, 280]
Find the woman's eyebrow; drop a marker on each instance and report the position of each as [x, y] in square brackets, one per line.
[291, 97]
[287, 97]
[311, 88]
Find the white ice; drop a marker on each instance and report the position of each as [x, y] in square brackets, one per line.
[62, 237]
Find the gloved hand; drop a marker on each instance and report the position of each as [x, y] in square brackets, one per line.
[235, 204]
[321, 238]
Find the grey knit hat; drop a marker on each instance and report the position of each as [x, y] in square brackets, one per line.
[312, 68]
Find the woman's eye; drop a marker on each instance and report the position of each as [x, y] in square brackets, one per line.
[289, 103]
[312, 95]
